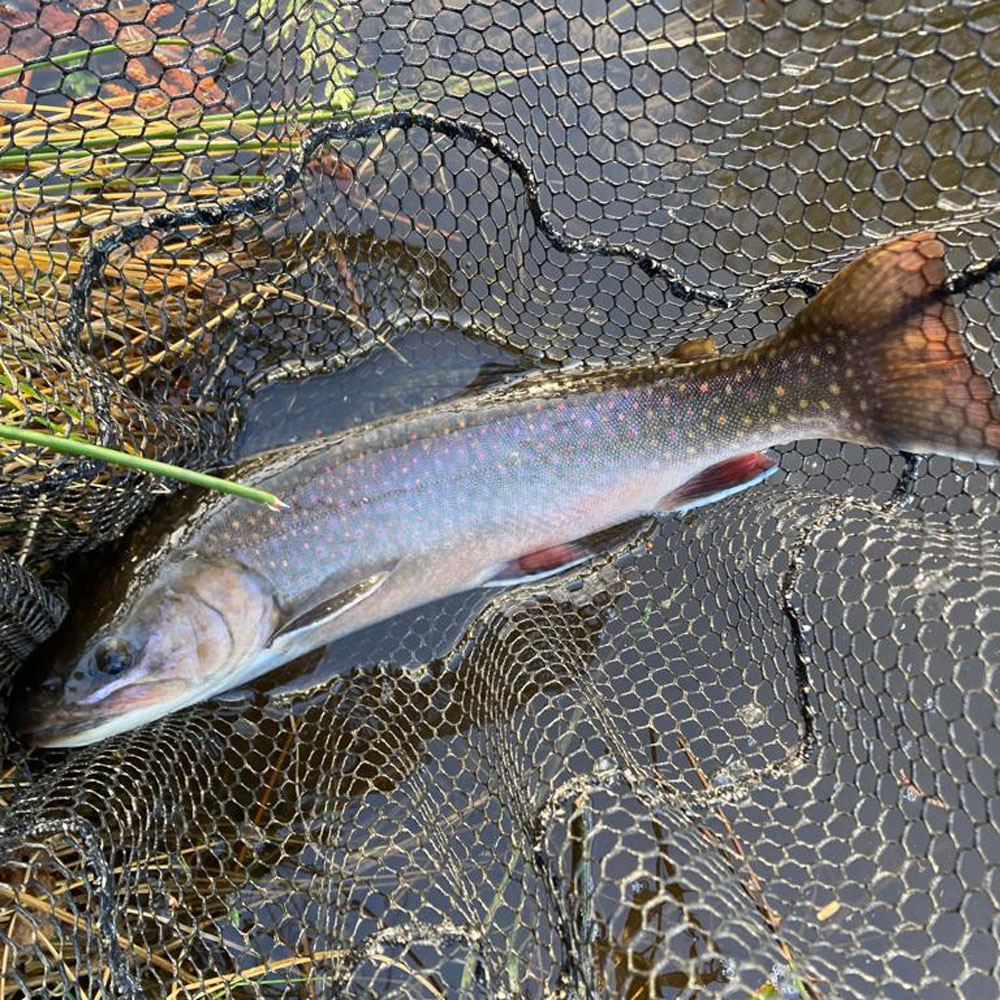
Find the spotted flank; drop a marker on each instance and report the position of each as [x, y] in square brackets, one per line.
[499, 488]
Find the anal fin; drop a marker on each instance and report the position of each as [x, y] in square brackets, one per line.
[720, 480]
[539, 564]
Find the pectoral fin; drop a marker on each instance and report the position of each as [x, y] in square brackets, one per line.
[720, 480]
[539, 564]
[236, 696]
[320, 608]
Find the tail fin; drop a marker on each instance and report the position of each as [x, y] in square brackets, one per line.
[892, 339]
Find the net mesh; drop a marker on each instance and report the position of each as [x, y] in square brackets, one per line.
[747, 752]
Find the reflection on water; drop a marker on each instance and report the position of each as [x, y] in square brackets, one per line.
[427, 362]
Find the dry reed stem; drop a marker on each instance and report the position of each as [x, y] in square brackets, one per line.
[269, 785]
[253, 298]
[157, 862]
[187, 929]
[348, 318]
[740, 859]
[423, 980]
[310, 979]
[4, 958]
[33, 902]
[248, 975]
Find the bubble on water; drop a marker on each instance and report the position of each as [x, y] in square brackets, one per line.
[417, 671]
[784, 981]
[731, 772]
[751, 715]
[604, 766]
[640, 887]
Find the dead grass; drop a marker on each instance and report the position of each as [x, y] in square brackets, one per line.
[69, 176]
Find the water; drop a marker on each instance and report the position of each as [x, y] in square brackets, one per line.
[421, 366]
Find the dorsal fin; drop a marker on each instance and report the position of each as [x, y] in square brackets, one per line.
[699, 349]
[494, 373]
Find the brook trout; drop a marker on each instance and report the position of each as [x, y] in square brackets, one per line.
[498, 488]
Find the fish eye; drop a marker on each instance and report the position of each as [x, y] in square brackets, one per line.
[113, 656]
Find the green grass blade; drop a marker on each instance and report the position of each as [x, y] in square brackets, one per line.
[71, 446]
[81, 55]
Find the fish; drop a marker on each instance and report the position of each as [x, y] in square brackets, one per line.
[498, 488]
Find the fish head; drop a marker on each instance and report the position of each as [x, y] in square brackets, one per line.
[197, 631]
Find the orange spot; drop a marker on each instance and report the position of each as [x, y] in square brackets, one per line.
[703, 387]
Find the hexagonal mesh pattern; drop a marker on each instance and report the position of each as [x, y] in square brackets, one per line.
[747, 752]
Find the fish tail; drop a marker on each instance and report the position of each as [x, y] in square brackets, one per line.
[900, 374]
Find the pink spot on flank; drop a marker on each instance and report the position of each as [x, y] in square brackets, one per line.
[703, 387]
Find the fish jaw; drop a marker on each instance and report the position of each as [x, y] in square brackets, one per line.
[75, 726]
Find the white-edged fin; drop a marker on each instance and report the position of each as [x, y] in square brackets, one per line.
[321, 608]
[538, 565]
[720, 480]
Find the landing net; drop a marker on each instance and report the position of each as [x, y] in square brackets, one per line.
[747, 752]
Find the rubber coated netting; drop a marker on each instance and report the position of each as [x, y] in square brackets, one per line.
[748, 752]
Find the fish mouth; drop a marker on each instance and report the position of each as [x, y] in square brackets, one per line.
[49, 724]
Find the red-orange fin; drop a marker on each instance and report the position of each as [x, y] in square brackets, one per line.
[539, 564]
[904, 376]
[720, 480]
